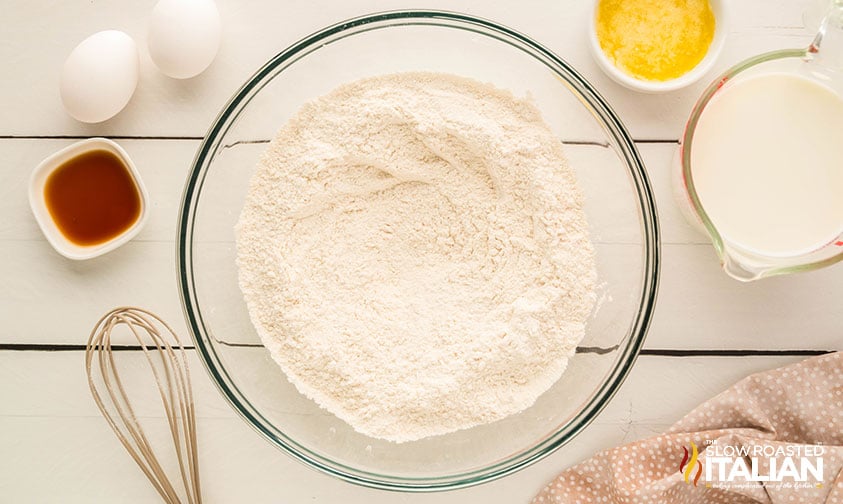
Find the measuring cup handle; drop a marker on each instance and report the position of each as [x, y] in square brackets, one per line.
[827, 47]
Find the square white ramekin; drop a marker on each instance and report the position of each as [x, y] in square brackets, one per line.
[48, 226]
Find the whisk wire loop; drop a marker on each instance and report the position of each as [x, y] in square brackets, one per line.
[168, 363]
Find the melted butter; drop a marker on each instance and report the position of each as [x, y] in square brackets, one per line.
[655, 40]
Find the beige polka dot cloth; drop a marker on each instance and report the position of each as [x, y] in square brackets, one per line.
[784, 426]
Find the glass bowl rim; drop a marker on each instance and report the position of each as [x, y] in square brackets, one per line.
[612, 126]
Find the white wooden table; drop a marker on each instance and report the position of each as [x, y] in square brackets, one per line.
[709, 331]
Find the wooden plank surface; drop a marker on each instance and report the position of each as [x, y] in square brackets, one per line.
[54, 428]
[699, 307]
[255, 30]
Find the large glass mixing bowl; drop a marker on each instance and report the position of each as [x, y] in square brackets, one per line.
[619, 207]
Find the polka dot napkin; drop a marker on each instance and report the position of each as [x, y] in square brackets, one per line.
[774, 437]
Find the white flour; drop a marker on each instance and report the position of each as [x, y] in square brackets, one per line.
[414, 254]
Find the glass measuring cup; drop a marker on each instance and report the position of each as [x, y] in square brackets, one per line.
[821, 62]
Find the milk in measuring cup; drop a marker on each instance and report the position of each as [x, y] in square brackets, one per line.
[767, 160]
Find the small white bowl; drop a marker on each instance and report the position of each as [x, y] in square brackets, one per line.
[48, 226]
[718, 7]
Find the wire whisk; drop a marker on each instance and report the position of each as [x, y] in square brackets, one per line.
[168, 361]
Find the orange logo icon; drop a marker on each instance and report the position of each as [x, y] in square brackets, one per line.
[686, 467]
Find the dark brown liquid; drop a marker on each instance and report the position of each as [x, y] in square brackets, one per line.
[92, 197]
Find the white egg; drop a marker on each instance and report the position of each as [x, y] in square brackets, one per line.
[100, 76]
[184, 36]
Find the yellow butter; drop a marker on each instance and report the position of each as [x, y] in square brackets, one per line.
[655, 40]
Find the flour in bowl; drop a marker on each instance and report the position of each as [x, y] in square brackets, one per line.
[414, 253]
